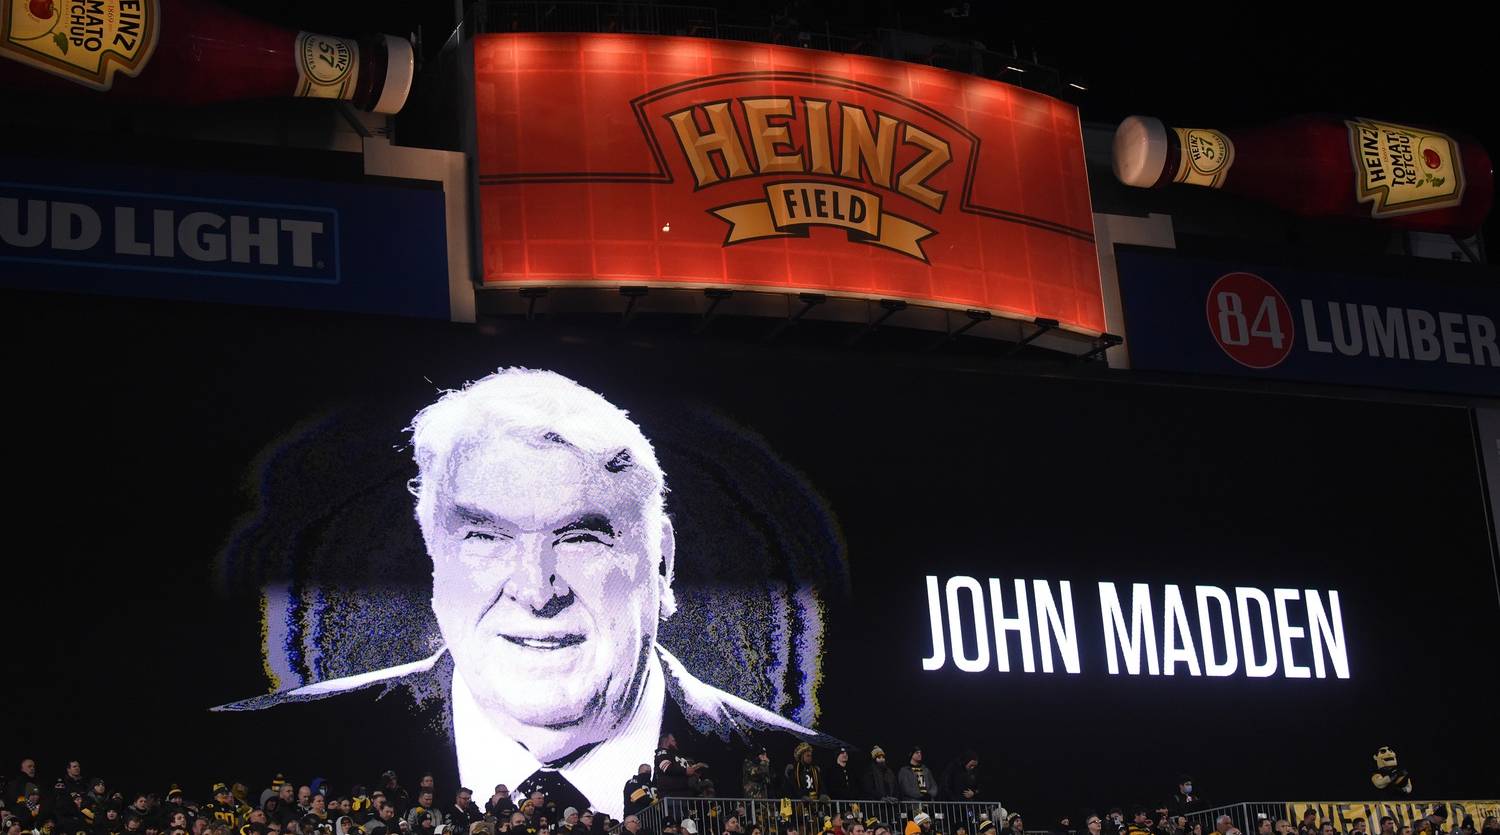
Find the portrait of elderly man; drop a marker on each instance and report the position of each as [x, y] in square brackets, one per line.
[541, 507]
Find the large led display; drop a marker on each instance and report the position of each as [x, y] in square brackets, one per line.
[615, 160]
[328, 546]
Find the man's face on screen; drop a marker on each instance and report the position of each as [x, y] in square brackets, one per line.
[545, 579]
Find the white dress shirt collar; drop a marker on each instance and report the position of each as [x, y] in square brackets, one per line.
[488, 757]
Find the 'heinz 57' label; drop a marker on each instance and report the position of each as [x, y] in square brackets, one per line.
[327, 67]
[1206, 157]
[1399, 170]
[86, 41]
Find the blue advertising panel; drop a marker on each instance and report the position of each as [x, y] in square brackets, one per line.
[1220, 316]
[367, 246]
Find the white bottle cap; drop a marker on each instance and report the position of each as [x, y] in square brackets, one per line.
[400, 67]
[1140, 151]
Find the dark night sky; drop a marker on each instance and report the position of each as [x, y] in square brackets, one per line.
[1217, 69]
[1229, 69]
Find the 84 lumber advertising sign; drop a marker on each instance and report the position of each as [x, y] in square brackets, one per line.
[1217, 316]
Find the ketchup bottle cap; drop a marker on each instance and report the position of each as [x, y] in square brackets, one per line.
[400, 66]
[1140, 151]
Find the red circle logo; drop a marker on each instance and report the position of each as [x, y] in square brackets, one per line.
[1250, 320]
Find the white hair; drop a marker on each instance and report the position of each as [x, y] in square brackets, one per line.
[541, 409]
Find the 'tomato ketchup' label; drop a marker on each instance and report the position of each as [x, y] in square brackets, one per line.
[86, 41]
[1399, 170]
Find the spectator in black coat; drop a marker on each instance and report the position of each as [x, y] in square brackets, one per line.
[73, 781]
[639, 793]
[880, 780]
[804, 779]
[673, 769]
[98, 796]
[390, 786]
[839, 783]
[465, 812]
[500, 805]
[961, 778]
[1184, 801]
[107, 821]
[16, 790]
[570, 824]
[29, 811]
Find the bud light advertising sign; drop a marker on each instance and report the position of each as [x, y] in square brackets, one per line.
[354, 246]
[1216, 316]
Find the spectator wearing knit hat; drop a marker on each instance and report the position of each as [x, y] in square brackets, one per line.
[804, 778]
[880, 781]
[221, 809]
[70, 816]
[1435, 821]
[916, 780]
[98, 796]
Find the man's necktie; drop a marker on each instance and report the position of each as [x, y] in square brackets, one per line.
[558, 790]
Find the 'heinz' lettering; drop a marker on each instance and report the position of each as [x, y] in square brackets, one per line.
[712, 139]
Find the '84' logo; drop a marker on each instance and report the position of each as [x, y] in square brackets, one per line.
[1250, 320]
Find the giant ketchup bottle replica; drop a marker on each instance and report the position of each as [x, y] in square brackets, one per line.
[1321, 166]
[193, 52]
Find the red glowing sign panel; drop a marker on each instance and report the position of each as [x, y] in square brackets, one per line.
[665, 161]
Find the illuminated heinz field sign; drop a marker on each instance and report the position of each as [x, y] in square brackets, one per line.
[608, 159]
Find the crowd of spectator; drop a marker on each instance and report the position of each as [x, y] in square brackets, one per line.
[75, 805]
